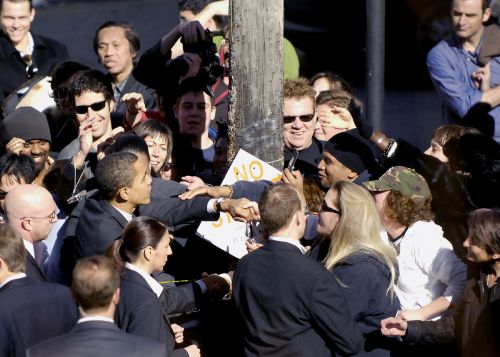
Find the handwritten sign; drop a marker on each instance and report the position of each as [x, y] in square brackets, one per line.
[226, 233]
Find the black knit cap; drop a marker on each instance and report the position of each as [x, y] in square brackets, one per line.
[28, 124]
[351, 152]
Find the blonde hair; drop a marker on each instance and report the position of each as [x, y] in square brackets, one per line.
[358, 230]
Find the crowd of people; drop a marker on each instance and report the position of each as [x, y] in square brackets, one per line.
[368, 246]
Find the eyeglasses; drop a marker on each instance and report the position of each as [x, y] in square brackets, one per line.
[325, 208]
[52, 217]
[287, 119]
[83, 109]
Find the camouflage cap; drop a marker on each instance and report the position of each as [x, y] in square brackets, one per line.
[402, 179]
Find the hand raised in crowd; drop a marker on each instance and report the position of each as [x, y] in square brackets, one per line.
[104, 148]
[178, 333]
[293, 178]
[15, 145]
[251, 246]
[191, 32]
[193, 351]
[194, 61]
[217, 286]
[394, 326]
[192, 182]
[135, 103]
[365, 129]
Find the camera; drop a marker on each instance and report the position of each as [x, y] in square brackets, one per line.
[210, 68]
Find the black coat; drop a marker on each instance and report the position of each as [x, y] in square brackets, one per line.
[47, 53]
[31, 312]
[141, 312]
[365, 281]
[98, 339]
[475, 327]
[291, 306]
[32, 269]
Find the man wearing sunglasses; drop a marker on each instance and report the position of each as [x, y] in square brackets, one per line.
[299, 121]
[24, 54]
[31, 212]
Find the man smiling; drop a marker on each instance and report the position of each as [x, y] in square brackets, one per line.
[23, 53]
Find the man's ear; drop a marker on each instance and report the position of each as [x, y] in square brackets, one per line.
[212, 113]
[116, 297]
[176, 111]
[32, 14]
[123, 194]
[111, 105]
[486, 14]
[352, 175]
[26, 224]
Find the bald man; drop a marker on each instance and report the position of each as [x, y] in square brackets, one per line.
[31, 212]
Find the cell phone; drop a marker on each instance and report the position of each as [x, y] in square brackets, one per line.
[293, 160]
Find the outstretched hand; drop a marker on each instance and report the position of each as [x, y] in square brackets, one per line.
[394, 326]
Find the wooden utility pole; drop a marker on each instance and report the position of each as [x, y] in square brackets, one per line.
[255, 114]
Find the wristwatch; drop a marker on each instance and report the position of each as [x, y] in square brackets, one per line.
[218, 204]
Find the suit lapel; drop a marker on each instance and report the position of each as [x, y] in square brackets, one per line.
[33, 269]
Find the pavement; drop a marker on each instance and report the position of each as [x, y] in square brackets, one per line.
[411, 115]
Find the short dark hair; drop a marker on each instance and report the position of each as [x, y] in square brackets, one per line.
[195, 6]
[130, 142]
[486, 4]
[484, 229]
[12, 249]
[95, 280]
[18, 1]
[196, 85]
[130, 34]
[90, 81]
[286, 198]
[114, 172]
[333, 79]
[405, 210]
[139, 233]
[63, 71]
[153, 128]
[18, 167]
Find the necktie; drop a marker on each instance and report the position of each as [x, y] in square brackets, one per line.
[41, 253]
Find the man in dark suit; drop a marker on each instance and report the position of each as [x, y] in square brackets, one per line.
[124, 182]
[96, 288]
[23, 53]
[30, 311]
[31, 212]
[289, 304]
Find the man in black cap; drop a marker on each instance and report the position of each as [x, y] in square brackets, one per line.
[26, 132]
[347, 158]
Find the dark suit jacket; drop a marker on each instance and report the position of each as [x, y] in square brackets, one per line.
[100, 224]
[32, 312]
[141, 312]
[292, 306]
[133, 85]
[47, 53]
[33, 269]
[98, 339]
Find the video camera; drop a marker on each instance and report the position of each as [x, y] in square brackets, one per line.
[210, 68]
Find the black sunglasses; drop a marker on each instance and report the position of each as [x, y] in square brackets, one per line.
[325, 208]
[287, 119]
[83, 109]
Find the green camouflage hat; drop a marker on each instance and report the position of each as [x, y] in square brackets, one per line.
[402, 179]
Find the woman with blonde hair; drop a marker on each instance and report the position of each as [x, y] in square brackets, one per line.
[363, 263]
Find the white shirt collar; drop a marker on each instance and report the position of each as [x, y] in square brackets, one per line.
[127, 215]
[95, 318]
[290, 241]
[31, 46]
[153, 284]
[13, 277]
[29, 247]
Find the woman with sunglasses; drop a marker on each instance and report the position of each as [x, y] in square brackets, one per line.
[365, 266]
[476, 325]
